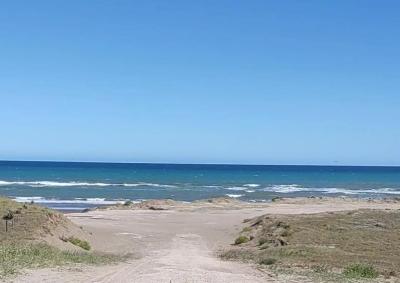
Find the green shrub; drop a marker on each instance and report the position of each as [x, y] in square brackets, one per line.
[241, 239]
[360, 271]
[267, 261]
[80, 243]
[246, 229]
[128, 203]
[274, 199]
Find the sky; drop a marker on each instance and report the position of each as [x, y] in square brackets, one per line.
[247, 82]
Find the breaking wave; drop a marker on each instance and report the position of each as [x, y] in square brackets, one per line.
[234, 195]
[40, 184]
[286, 189]
[251, 185]
[96, 201]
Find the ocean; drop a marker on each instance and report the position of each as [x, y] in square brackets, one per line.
[74, 186]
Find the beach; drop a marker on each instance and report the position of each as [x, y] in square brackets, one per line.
[200, 142]
[171, 241]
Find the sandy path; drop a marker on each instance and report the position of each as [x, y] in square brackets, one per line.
[178, 245]
[171, 246]
[187, 260]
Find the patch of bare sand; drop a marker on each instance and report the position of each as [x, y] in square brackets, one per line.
[179, 243]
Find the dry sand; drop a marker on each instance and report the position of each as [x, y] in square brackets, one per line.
[179, 244]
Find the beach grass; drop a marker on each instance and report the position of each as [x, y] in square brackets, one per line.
[15, 257]
[241, 240]
[22, 244]
[353, 244]
[80, 243]
[360, 271]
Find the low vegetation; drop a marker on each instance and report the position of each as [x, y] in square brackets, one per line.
[267, 261]
[356, 244]
[14, 257]
[128, 203]
[360, 271]
[241, 240]
[22, 239]
[275, 199]
[80, 243]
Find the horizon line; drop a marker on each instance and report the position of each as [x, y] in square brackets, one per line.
[178, 163]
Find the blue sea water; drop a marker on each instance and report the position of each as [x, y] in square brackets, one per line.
[75, 186]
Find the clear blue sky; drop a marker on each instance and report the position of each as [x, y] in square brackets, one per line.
[265, 82]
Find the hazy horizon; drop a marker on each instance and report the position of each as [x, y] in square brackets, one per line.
[212, 164]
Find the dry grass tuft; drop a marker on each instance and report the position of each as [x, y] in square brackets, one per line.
[334, 241]
[14, 257]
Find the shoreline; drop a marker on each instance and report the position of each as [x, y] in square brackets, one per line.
[121, 204]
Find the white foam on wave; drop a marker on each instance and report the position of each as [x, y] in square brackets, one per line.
[96, 201]
[251, 185]
[212, 186]
[236, 188]
[249, 191]
[152, 185]
[234, 195]
[285, 189]
[246, 187]
[40, 184]
[26, 199]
